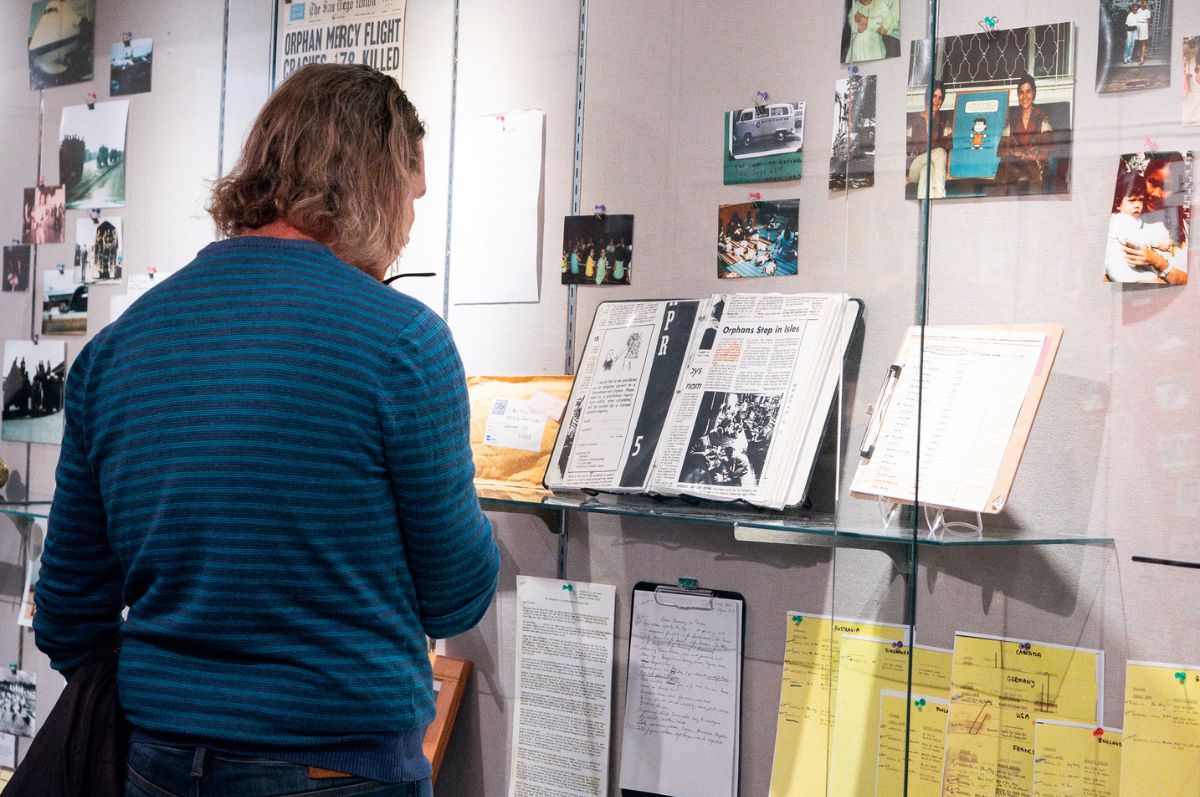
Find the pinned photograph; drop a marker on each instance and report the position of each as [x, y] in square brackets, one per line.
[64, 302]
[18, 702]
[1002, 108]
[91, 154]
[597, 249]
[853, 162]
[43, 214]
[758, 239]
[1191, 80]
[730, 438]
[1133, 51]
[34, 374]
[1148, 230]
[33, 567]
[98, 255]
[763, 143]
[872, 30]
[130, 65]
[61, 42]
[17, 261]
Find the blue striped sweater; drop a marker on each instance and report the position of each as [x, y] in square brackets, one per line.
[266, 458]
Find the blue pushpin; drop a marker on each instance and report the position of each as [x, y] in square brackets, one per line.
[761, 97]
[853, 70]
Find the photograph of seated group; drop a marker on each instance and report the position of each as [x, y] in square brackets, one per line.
[1001, 106]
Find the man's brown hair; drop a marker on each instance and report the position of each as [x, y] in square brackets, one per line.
[334, 153]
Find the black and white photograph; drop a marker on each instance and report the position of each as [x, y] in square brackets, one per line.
[44, 215]
[18, 702]
[1133, 51]
[33, 391]
[758, 239]
[62, 41]
[597, 249]
[872, 30]
[730, 438]
[16, 268]
[1191, 81]
[33, 568]
[764, 143]
[98, 249]
[853, 162]
[130, 66]
[91, 154]
[64, 302]
[1035, 68]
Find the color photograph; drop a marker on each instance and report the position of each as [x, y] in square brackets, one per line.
[33, 391]
[43, 214]
[91, 154]
[1148, 229]
[64, 303]
[597, 249]
[853, 162]
[1191, 81]
[758, 239]
[1030, 74]
[130, 66]
[872, 30]
[17, 261]
[1133, 50]
[62, 40]
[98, 255]
[763, 143]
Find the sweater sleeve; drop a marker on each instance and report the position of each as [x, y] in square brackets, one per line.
[79, 588]
[452, 559]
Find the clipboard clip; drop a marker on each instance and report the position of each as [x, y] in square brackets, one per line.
[878, 410]
[687, 586]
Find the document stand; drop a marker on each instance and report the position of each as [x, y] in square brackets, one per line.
[937, 527]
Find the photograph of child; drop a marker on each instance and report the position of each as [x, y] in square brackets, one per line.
[597, 249]
[758, 239]
[1134, 46]
[852, 164]
[872, 30]
[1191, 80]
[1147, 233]
[44, 213]
[1030, 131]
[16, 269]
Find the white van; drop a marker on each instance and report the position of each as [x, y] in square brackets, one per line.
[780, 121]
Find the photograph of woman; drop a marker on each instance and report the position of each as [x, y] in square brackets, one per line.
[872, 30]
[1025, 142]
[927, 155]
[1147, 234]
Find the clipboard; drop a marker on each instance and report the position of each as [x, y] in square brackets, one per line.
[685, 662]
[884, 438]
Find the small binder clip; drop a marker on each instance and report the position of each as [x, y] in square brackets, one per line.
[13, 666]
[988, 24]
[1181, 676]
[90, 99]
[152, 271]
[754, 196]
[688, 583]
[568, 587]
[62, 268]
[1098, 732]
[1151, 144]
[600, 210]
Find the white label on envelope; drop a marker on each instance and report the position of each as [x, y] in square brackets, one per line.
[512, 423]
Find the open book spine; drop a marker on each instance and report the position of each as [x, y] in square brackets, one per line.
[630, 369]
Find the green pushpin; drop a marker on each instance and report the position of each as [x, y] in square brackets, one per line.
[797, 618]
[568, 588]
[1181, 676]
[920, 704]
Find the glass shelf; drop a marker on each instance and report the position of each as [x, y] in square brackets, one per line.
[745, 517]
[26, 509]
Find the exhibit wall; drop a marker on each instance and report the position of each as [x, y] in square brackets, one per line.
[635, 97]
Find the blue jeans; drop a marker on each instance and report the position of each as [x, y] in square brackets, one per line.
[158, 771]
[1130, 38]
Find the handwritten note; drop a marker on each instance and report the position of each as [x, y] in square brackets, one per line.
[683, 696]
[807, 695]
[1161, 753]
[924, 718]
[564, 688]
[1000, 688]
[1072, 758]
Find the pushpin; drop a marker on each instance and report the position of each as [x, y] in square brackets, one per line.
[897, 644]
[1098, 732]
[797, 619]
[1151, 144]
[1181, 676]
[854, 70]
[568, 587]
[600, 211]
[62, 268]
[1024, 646]
[90, 99]
[13, 666]
[919, 704]
[988, 24]
[754, 196]
[760, 98]
[500, 119]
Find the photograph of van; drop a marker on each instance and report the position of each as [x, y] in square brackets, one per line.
[763, 143]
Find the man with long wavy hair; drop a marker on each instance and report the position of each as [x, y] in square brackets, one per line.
[266, 459]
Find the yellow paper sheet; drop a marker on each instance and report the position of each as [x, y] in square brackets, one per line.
[1000, 687]
[866, 667]
[1161, 752]
[1071, 758]
[926, 724]
[806, 698]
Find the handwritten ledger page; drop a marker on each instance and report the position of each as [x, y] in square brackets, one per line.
[564, 688]
[683, 697]
[926, 725]
[1077, 759]
[1161, 751]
